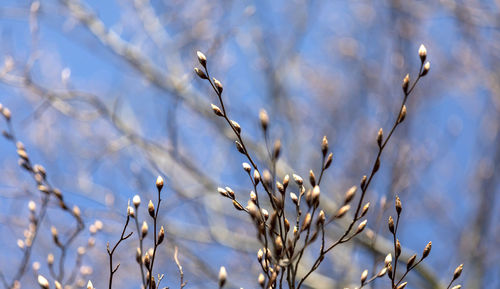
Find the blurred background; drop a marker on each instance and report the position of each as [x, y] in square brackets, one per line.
[103, 95]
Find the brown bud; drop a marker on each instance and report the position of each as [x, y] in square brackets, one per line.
[238, 206]
[427, 250]
[294, 198]
[277, 149]
[324, 146]
[380, 137]
[391, 224]
[406, 83]
[329, 161]
[377, 165]
[239, 147]
[410, 262]
[321, 218]
[312, 178]
[151, 209]
[286, 179]
[398, 205]
[216, 110]
[389, 270]
[402, 114]
[147, 260]
[458, 271]
[398, 248]
[161, 235]
[363, 183]
[200, 73]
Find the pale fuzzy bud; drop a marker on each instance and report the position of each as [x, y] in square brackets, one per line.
[80, 250]
[50, 259]
[236, 126]
[402, 285]
[216, 110]
[382, 272]
[136, 200]
[422, 52]
[457, 287]
[342, 211]
[98, 224]
[230, 192]
[321, 217]
[144, 229]
[315, 195]
[32, 206]
[42, 281]
[264, 119]
[265, 213]
[328, 160]
[364, 275]
[294, 198]
[286, 179]
[247, 167]
[261, 280]
[260, 255]
[222, 276]
[76, 211]
[361, 226]
[253, 196]
[6, 113]
[256, 176]
[238, 206]
[151, 209]
[35, 266]
[312, 178]
[201, 58]
[218, 85]
[89, 285]
[223, 192]
[306, 223]
[130, 211]
[298, 179]
[349, 195]
[388, 259]
[58, 285]
[427, 67]
[20, 244]
[365, 209]
[398, 205]
[159, 183]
